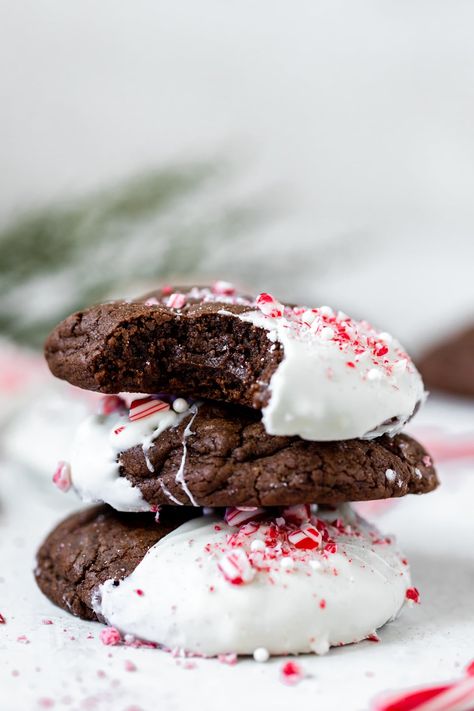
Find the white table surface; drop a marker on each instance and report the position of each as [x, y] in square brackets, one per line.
[64, 665]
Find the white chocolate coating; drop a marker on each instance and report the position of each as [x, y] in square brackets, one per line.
[310, 602]
[339, 378]
[95, 463]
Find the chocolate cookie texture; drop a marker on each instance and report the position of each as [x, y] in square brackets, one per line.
[449, 366]
[219, 455]
[174, 340]
[315, 373]
[93, 546]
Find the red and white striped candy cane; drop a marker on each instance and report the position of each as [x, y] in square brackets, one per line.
[305, 538]
[457, 696]
[146, 406]
[236, 567]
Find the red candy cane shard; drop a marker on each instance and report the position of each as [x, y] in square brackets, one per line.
[62, 476]
[2, 620]
[176, 301]
[306, 538]
[413, 594]
[236, 568]
[269, 306]
[145, 407]
[237, 516]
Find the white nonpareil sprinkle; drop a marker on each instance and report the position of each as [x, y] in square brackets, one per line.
[261, 654]
[257, 545]
[374, 374]
[180, 405]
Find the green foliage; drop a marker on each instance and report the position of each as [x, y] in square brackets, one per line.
[163, 224]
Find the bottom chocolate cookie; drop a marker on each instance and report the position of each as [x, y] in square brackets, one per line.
[285, 581]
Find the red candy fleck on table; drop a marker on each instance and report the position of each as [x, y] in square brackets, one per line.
[110, 636]
[129, 666]
[291, 673]
[322, 604]
[2, 620]
[413, 594]
[146, 406]
[306, 538]
[139, 592]
[230, 658]
[62, 476]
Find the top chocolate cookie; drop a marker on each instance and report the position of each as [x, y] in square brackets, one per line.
[315, 373]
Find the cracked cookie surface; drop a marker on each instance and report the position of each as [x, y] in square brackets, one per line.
[220, 455]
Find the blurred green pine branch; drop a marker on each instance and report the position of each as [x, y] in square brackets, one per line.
[163, 223]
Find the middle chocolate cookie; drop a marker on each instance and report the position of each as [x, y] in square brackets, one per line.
[155, 450]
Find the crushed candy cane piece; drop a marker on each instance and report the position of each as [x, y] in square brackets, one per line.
[269, 306]
[2, 620]
[62, 476]
[176, 301]
[413, 594]
[305, 538]
[236, 567]
[146, 406]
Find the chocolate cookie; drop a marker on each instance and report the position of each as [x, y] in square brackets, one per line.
[220, 455]
[315, 373]
[162, 342]
[449, 366]
[93, 546]
[281, 580]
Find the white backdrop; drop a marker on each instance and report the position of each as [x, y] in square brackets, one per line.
[360, 115]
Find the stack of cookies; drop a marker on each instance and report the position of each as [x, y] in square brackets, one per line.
[232, 435]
